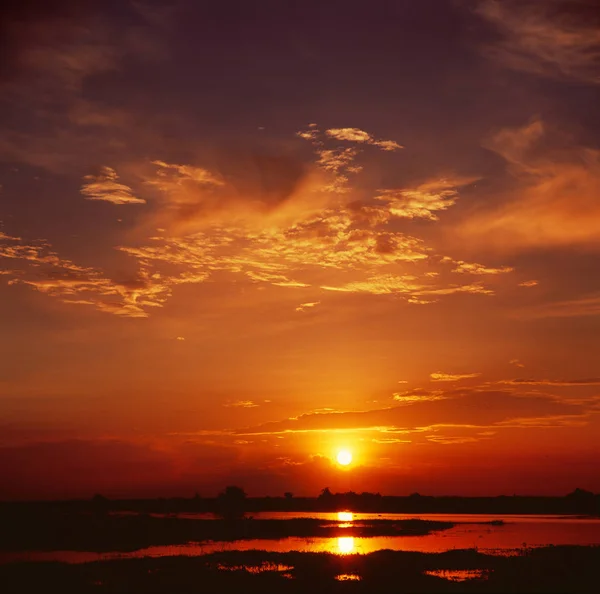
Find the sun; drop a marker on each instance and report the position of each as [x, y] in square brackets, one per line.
[344, 457]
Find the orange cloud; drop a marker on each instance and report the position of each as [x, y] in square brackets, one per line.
[474, 268]
[440, 376]
[47, 272]
[554, 202]
[594, 381]
[542, 38]
[305, 306]
[424, 200]
[463, 410]
[106, 187]
[588, 305]
[267, 220]
[242, 404]
[360, 136]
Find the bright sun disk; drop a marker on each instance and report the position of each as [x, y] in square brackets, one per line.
[344, 457]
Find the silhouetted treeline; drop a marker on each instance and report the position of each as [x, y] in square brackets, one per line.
[233, 502]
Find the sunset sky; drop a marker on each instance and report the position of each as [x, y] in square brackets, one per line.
[237, 237]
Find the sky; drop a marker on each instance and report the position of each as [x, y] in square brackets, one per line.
[237, 237]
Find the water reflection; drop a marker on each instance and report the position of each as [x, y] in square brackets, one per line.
[460, 575]
[263, 567]
[345, 545]
[345, 516]
[347, 577]
[503, 540]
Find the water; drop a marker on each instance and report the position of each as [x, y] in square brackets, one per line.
[517, 533]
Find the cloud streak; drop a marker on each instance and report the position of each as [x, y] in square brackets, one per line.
[593, 381]
[425, 200]
[440, 376]
[554, 199]
[268, 220]
[545, 38]
[360, 136]
[107, 188]
[463, 410]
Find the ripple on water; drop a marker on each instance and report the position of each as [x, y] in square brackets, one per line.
[348, 577]
[460, 575]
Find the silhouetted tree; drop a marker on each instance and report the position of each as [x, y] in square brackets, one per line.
[581, 495]
[100, 504]
[325, 493]
[288, 495]
[231, 502]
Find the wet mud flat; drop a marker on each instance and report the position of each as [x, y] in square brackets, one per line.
[548, 569]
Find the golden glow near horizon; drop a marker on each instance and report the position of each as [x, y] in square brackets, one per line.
[344, 457]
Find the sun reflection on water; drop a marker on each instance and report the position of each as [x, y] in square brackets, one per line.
[345, 516]
[345, 545]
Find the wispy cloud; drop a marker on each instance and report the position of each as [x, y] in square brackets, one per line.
[307, 306]
[474, 268]
[440, 376]
[106, 187]
[424, 200]
[407, 285]
[545, 38]
[340, 163]
[587, 305]
[466, 411]
[418, 395]
[277, 222]
[360, 136]
[5, 237]
[171, 177]
[37, 265]
[554, 199]
[242, 404]
[593, 381]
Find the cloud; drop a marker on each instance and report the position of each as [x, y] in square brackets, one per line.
[474, 268]
[418, 395]
[516, 363]
[594, 381]
[242, 404]
[587, 305]
[440, 376]
[425, 199]
[463, 410]
[37, 265]
[545, 38]
[306, 306]
[389, 284]
[106, 187]
[266, 219]
[48, 58]
[171, 177]
[529, 283]
[338, 162]
[553, 202]
[360, 136]
[5, 237]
